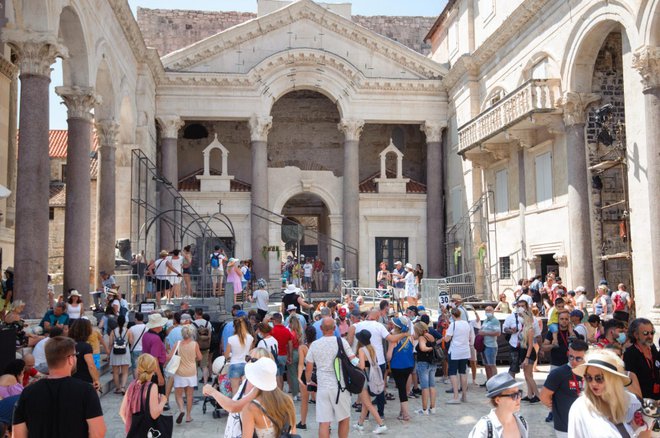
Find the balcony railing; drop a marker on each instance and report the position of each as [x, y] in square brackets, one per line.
[534, 96]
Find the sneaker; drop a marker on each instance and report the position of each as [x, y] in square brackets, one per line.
[417, 391]
[534, 399]
[301, 426]
[412, 395]
[359, 427]
[549, 418]
[380, 429]
[166, 407]
[296, 398]
[432, 411]
[422, 412]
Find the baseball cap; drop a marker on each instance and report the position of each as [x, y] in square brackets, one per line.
[577, 313]
[342, 311]
[241, 314]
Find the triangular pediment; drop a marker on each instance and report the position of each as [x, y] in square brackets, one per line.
[303, 26]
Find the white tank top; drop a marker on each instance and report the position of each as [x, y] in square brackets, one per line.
[73, 311]
[161, 269]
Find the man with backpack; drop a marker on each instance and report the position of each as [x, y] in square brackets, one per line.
[216, 260]
[333, 401]
[204, 332]
[622, 302]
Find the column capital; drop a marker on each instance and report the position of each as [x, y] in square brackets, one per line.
[433, 130]
[647, 62]
[575, 107]
[170, 125]
[259, 127]
[352, 128]
[107, 131]
[36, 51]
[79, 101]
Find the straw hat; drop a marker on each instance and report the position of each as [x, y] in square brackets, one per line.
[262, 374]
[156, 320]
[500, 383]
[606, 361]
[164, 253]
[74, 293]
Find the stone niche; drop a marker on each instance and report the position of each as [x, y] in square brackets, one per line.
[215, 183]
[398, 183]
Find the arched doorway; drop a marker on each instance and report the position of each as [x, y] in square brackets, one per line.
[305, 229]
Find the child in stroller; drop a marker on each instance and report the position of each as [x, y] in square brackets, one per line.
[221, 383]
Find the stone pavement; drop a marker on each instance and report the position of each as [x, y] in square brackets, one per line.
[452, 421]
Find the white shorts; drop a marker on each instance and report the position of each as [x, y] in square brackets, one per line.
[399, 293]
[182, 382]
[327, 410]
[175, 280]
[473, 353]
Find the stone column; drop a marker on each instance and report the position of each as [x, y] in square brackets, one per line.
[79, 102]
[11, 72]
[36, 53]
[107, 132]
[169, 169]
[647, 62]
[259, 128]
[522, 207]
[351, 196]
[579, 214]
[435, 200]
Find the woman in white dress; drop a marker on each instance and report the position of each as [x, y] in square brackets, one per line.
[605, 409]
[120, 358]
[74, 305]
[411, 285]
[177, 262]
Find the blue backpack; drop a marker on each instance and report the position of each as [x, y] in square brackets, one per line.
[215, 260]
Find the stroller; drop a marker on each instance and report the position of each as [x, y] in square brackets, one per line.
[222, 384]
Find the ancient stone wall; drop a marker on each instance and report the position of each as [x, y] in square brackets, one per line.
[305, 135]
[610, 236]
[168, 30]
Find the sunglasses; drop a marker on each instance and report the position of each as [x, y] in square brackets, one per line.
[647, 332]
[250, 359]
[599, 378]
[514, 396]
[576, 358]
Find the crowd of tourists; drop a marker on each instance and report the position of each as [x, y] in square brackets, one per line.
[266, 367]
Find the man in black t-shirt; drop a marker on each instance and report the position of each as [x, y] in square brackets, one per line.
[59, 406]
[642, 357]
[557, 342]
[562, 387]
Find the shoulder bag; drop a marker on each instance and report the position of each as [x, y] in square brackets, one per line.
[143, 426]
[175, 361]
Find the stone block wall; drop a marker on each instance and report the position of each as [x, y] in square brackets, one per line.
[305, 135]
[609, 226]
[168, 30]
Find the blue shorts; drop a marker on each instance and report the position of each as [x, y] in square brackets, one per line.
[97, 360]
[134, 357]
[553, 328]
[236, 370]
[426, 374]
[457, 366]
[281, 365]
[490, 355]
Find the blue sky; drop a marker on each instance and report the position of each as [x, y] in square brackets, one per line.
[430, 8]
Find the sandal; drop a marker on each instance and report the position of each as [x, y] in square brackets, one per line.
[179, 418]
[389, 396]
[403, 418]
[117, 391]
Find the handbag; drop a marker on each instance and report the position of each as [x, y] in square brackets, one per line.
[175, 361]
[143, 426]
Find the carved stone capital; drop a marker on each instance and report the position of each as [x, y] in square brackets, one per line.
[108, 133]
[79, 101]
[8, 69]
[647, 62]
[575, 107]
[259, 127]
[433, 130]
[36, 51]
[352, 128]
[170, 125]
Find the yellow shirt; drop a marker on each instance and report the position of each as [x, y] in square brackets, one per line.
[95, 341]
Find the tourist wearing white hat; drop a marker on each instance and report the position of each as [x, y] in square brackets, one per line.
[399, 283]
[74, 305]
[504, 419]
[605, 409]
[292, 312]
[272, 412]
[292, 296]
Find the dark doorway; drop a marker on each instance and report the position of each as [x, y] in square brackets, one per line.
[391, 249]
[548, 264]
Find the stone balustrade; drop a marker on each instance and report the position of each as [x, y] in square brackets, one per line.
[534, 96]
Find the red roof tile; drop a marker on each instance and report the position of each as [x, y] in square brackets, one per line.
[57, 197]
[369, 185]
[58, 140]
[190, 183]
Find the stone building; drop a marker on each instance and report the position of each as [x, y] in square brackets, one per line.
[553, 156]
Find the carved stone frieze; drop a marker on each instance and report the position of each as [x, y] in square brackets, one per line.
[352, 128]
[647, 62]
[575, 106]
[259, 127]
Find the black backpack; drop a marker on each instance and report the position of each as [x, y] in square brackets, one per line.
[354, 377]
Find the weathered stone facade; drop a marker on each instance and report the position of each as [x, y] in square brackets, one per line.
[168, 30]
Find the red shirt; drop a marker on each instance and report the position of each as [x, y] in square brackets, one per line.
[283, 336]
[28, 374]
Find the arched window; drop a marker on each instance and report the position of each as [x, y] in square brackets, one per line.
[195, 131]
[399, 138]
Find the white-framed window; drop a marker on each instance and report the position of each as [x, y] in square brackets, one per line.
[452, 37]
[505, 268]
[543, 169]
[502, 191]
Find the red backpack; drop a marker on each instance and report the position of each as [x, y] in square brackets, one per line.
[619, 303]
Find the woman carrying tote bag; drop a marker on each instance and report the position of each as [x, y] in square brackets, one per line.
[142, 406]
